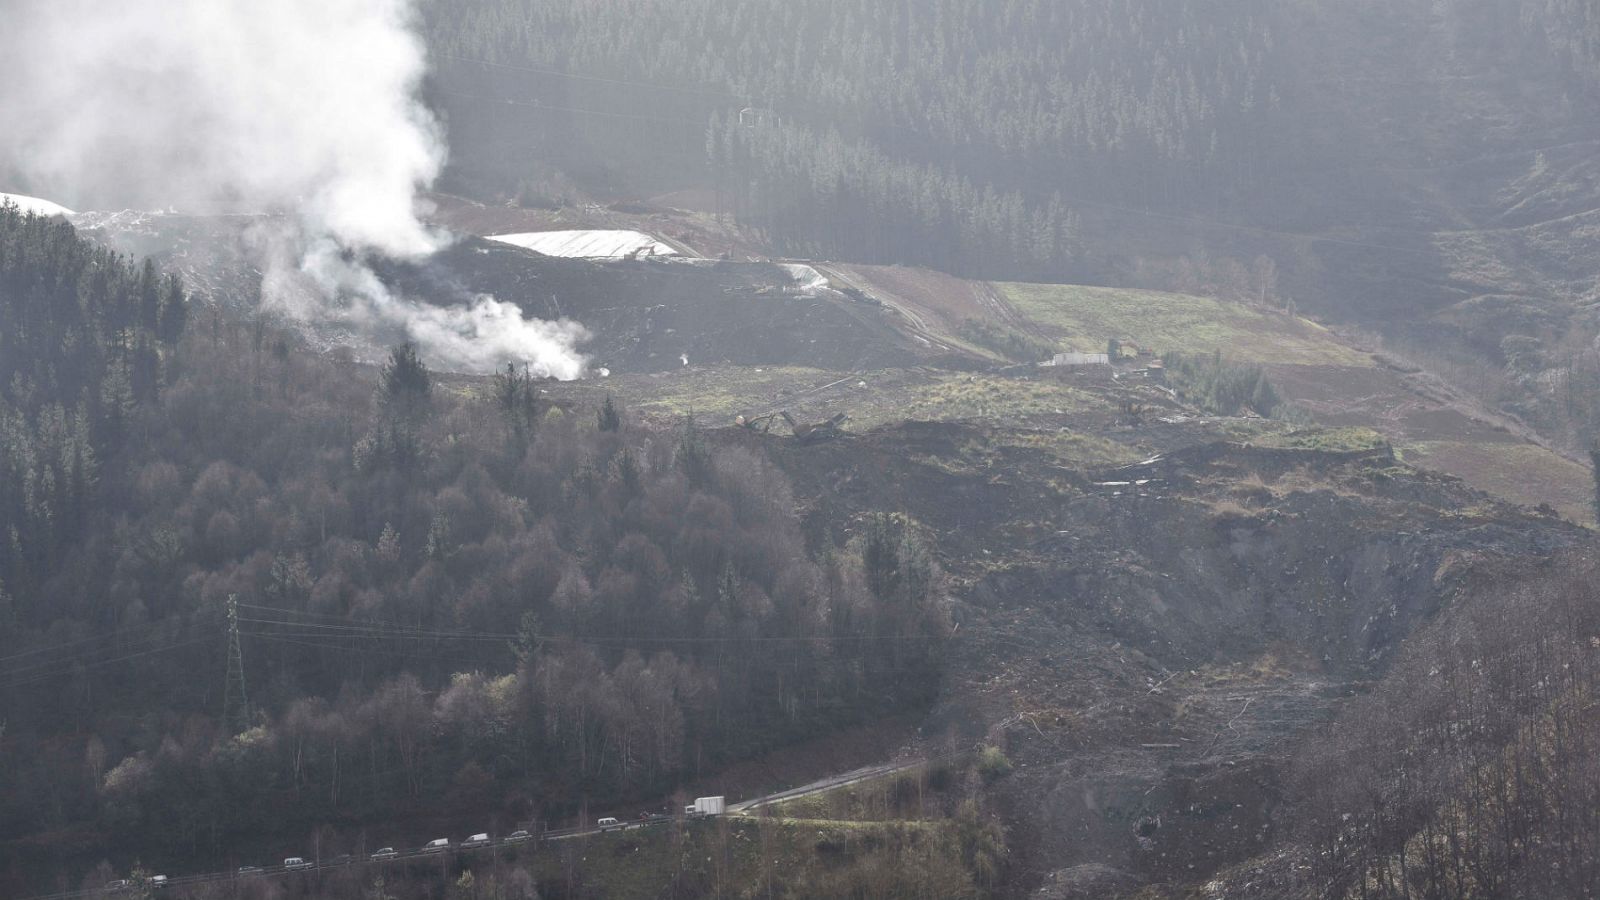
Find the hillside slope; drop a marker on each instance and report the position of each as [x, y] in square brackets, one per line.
[1337, 379]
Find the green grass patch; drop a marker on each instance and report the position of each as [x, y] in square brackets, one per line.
[1074, 449]
[1337, 440]
[1086, 318]
[714, 394]
[968, 397]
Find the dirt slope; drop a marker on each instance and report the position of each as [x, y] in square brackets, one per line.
[1148, 643]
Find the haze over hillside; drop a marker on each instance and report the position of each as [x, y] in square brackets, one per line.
[948, 449]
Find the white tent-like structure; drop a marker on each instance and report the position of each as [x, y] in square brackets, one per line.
[588, 244]
[34, 205]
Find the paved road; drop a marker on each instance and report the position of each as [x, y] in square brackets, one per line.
[826, 784]
[866, 773]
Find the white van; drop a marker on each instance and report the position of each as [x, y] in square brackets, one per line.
[437, 846]
[610, 824]
[295, 863]
[477, 840]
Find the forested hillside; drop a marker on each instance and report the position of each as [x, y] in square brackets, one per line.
[1424, 169]
[452, 597]
[85, 338]
[1470, 771]
[953, 122]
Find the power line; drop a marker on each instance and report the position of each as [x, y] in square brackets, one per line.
[83, 640]
[595, 78]
[343, 648]
[338, 643]
[104, 662]
[1200, 220]
[406, 632]
[69, 661]
[588, 112]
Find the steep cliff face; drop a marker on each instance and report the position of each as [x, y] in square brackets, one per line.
[1150, 644]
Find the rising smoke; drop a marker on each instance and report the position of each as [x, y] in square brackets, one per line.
[303, 108]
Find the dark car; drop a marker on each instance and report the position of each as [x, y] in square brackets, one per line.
[385, 853]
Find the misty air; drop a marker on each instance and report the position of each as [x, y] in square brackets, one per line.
[569, 450]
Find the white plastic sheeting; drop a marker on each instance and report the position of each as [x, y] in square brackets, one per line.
[588, 244]
[35, 205]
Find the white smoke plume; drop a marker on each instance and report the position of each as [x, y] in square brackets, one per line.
[304, 108]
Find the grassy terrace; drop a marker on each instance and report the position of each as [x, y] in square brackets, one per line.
[1084, 318]
[716, 395]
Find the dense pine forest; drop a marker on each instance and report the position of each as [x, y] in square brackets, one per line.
[450, 597]
[974, 136]
[929, 128]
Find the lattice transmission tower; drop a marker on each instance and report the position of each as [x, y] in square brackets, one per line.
[235, 702]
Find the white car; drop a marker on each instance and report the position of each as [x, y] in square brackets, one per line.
[436, 846]
[610, 824]
[516, 837]
[477, 840]
[295, 864]
[158, 881]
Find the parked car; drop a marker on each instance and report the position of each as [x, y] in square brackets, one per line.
[436, 846]
[516, 837]
[385, 853]
[477, 840]
[249, 870]
[295, 864]
[610, 824]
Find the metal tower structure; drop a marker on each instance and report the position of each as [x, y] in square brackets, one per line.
[235, 702]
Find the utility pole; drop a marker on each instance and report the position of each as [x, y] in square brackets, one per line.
[235, 703]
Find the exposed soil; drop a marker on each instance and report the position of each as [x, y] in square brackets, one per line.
[647, 315]
[1149, 656]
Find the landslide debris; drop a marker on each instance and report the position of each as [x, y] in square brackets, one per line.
[1150, 643]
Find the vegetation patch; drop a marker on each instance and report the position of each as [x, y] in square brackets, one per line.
[1007, 341]
[1354, 438]
[1087, 318]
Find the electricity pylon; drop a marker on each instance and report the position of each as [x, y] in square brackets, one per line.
[235, 703]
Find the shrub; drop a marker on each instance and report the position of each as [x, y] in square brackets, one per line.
[993, 764]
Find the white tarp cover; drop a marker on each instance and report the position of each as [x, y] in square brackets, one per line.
[35, 205]
[588, 244]
[807, 279]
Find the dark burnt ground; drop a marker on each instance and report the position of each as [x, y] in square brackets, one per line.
[1149, 655]
[646, 315]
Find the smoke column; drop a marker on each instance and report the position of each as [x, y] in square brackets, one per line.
[307, 108]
